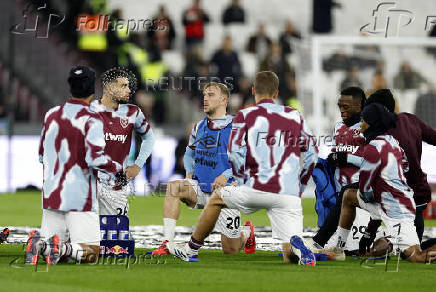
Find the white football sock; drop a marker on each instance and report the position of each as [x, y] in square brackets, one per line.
[169, 228]
[342, 236]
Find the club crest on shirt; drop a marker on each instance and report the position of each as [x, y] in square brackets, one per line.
[124, 122]
[356, 132]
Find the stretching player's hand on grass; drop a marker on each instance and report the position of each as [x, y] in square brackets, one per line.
[219, 182]
[132, 171]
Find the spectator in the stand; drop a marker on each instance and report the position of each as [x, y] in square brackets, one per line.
[194, 19]
[94, 42]
[322, 15]
[68, 26]
[275, 61]
[379, 81]
[245, 92]
[195, 67]
[202, 74]
[337, 62]
[407, 78]
[226, 64]
[259, 42]
[145, 102]
[352, 78]
[288, 37]
[234, 13]
[426, 107]
[193, 59]
[366, 55]
[162, 32]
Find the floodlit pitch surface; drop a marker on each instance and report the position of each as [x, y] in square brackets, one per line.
[214, 271]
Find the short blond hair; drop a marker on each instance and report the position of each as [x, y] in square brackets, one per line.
[221, 86]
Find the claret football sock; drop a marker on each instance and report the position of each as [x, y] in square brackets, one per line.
[194, 244]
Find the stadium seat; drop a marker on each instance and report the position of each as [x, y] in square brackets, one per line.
[174, 60]
[249, 64]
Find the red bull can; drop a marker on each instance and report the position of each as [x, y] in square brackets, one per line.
[112, 234]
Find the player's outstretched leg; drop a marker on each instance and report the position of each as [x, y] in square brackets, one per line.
[52, 250]
[204, 227]
[177, 191]
[348, 214]
[305, 255]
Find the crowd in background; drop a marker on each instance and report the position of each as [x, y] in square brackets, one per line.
[141, 52]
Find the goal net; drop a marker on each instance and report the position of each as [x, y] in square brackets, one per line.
[327, 64]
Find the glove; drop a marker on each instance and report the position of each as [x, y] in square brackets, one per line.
[366, 242]
[121, 179]
[337, 158]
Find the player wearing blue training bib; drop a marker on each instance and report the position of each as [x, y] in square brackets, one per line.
[207, 168]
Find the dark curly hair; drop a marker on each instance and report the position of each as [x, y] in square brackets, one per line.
[112, 74]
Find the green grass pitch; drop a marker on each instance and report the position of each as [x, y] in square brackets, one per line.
[24, 209]
[215, 271]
